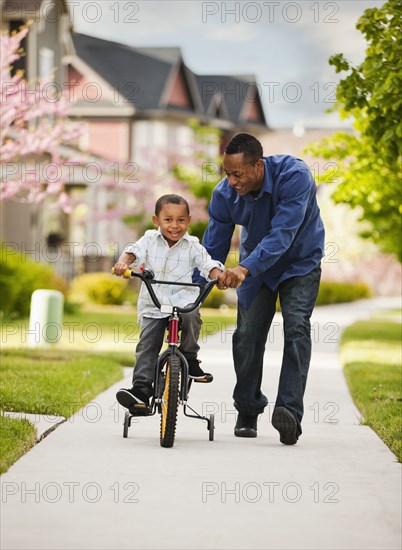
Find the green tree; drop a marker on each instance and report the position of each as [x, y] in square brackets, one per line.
[369, 159]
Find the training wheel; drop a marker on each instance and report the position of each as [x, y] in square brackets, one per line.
[126, 423]
[211, 428]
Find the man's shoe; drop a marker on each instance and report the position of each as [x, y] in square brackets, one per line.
[196, 373]
[246, 425]
[284, 421]
[132, 398]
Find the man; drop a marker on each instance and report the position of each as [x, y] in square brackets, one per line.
[282, 241]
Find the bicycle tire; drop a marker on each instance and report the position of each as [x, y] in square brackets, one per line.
[170, 401]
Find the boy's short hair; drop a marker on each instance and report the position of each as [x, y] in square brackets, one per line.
[170, 199]
[246, 144]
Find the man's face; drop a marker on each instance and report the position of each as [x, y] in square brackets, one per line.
[173, 221]
[244, 178]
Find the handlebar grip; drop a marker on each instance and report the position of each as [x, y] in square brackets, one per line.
[127, 273]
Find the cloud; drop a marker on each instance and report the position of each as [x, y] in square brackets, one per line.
[238, 34]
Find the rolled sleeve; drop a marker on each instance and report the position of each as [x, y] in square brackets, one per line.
[139, 249]
[203, 261]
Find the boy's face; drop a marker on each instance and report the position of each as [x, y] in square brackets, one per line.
[173, 221]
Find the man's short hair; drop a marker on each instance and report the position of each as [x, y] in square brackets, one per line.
[246, 144]
[170, 199]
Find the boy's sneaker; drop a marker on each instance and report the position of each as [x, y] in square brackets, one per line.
[196, 373]
[132, 398]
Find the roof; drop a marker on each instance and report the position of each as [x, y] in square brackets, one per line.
[230, 94]
[136, 76]
[151, 78]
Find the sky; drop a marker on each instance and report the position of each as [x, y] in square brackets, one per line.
[284, 44]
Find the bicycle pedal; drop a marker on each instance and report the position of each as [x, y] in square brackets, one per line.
[205, 380]
[139, 409]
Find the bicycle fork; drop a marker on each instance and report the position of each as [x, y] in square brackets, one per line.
[173, 340]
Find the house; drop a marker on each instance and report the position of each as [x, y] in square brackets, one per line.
[136, 99]
[133, 101]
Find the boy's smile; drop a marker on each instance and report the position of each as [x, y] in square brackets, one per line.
[173, 221]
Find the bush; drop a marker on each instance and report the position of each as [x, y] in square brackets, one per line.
[332, 292]
[19, 277]
[99, 288]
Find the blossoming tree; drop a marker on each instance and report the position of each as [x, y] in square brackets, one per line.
[33, 125]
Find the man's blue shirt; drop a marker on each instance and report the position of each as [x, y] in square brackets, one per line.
[282, 232]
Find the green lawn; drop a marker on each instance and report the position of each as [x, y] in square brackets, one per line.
[17, 437]
[371, 354]
[53, 382]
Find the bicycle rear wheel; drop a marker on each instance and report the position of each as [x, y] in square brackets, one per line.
[170, 401]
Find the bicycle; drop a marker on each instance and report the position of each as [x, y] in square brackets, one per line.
[171, 382]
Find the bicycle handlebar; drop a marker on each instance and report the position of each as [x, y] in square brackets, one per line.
[147, 277]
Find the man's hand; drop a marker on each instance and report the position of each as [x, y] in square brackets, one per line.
[232, 277]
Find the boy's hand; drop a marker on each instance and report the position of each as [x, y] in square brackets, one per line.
[215, 273]
[232, 277]
[123, 263]
[120, 268]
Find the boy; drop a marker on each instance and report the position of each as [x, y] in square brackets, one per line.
[172, 254]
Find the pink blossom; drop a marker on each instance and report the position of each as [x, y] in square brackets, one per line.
[29, 130]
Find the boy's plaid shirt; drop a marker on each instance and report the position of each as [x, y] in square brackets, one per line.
[176, 263]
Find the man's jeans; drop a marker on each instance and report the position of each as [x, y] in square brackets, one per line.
[151, 340]
[297, 297]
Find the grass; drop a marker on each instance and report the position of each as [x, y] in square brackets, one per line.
[371, 354]
[54, 382]
[17, 437]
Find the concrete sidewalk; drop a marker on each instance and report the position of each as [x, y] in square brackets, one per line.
[85, 487]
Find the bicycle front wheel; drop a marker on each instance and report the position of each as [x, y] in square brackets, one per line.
[170, 401]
